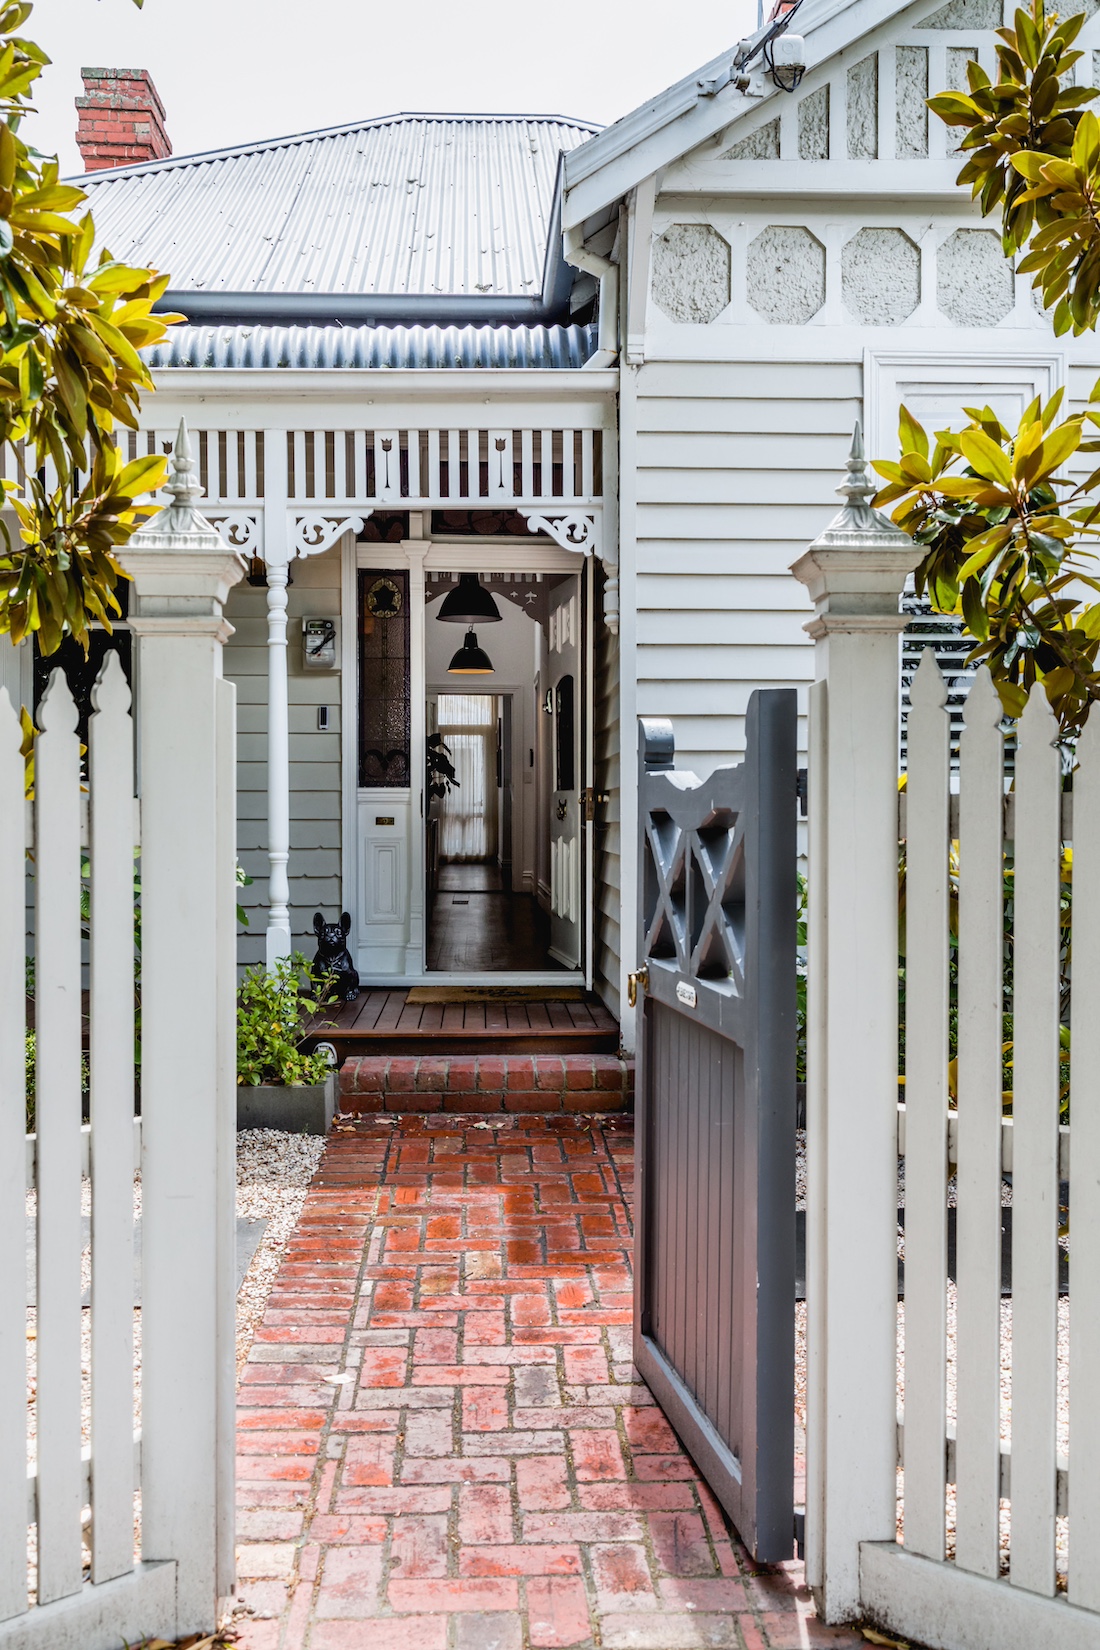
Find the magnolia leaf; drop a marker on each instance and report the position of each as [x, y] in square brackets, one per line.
[911, 434]
[974, 613]
[984, 456]
[1012, 696]
[983, 549]
[1057, 682]
[143, 475]
[1029, 165]
[953, 107]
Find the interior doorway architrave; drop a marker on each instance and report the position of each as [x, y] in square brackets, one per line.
[449, 554]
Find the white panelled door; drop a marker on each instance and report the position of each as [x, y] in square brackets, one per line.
[566, 828]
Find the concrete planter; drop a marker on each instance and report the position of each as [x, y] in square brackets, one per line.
[308, 1109]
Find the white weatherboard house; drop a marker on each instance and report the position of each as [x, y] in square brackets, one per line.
[612, 374]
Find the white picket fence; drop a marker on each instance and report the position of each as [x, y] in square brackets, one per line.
[953, 1439]
[108, 1533]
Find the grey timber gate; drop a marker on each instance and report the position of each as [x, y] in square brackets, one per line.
[715, 1244]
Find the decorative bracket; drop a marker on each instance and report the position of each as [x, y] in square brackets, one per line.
[572, 529]
[242, 529]
[314, 531]
[579, 530]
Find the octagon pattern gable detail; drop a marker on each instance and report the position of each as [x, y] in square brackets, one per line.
[691, 273]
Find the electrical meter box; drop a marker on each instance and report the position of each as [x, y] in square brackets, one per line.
[320, 644]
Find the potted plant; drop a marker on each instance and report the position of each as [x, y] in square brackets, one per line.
[279, 1086]
[441, 774]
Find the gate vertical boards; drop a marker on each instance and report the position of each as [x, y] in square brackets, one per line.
[715, 1247]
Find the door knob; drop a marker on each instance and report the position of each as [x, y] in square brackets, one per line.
[633, 981]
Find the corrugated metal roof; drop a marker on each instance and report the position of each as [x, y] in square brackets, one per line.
[408, 205]
[304, 347]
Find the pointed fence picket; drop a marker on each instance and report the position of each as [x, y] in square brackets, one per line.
[1084, 1325]
[1035, 1147]
[926, 1022]
[58, 1108]
[111, 1136]
[978, 1216]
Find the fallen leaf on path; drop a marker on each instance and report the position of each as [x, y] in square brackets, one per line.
[874, 1637]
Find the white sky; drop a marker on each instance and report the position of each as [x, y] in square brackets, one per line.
[229, 71]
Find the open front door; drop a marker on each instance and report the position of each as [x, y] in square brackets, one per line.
[566, 824]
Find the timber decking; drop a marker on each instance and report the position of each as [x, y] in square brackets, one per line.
[383, 1021]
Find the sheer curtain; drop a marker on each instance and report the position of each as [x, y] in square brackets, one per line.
[468, 823]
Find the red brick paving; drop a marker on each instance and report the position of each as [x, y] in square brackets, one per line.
[493, 1476]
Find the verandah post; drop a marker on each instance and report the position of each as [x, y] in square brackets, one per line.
[855, 572]
[277, 557]
[182, 573]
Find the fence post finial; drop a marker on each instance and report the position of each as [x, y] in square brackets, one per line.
[183, 484]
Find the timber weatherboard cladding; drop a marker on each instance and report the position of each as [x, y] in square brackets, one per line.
[737, 466]
[315, 767]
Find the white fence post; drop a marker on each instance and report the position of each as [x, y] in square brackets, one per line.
[182, 572]
[13, 1229]
[855, 572]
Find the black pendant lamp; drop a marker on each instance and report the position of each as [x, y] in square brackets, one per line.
[471, 660]
[470, 603]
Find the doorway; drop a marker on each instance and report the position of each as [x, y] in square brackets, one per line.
[477, 920]
[503, 836]
[492, 889]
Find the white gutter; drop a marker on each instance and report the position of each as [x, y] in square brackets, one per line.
[607, 273]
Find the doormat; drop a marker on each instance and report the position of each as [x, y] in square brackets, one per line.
[496, 994]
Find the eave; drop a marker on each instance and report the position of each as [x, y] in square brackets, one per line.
[614, 162]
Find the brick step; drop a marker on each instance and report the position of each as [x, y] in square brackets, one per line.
[487, 1083]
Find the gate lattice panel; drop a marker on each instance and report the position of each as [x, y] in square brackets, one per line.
[714, 1314]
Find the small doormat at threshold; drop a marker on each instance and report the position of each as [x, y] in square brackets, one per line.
[496, 994]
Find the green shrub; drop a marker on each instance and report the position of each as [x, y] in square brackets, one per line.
[29, 1052]
[28, 1060]
[273, 1011]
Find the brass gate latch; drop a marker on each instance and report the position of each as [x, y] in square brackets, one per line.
[591, 799]
[633, 981]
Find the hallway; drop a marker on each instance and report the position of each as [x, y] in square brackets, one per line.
[442, 1442]
[476, 925]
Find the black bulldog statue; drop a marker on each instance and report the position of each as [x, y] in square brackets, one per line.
[333, 957]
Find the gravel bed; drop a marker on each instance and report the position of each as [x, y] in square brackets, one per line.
[274, 1170]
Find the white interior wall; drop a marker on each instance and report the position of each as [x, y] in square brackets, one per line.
[514, 647]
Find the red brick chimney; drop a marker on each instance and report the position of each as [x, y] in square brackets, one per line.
[121, 119]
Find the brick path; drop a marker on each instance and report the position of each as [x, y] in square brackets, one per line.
[485, 1472]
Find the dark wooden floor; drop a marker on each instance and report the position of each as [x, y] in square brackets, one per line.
[383, 1021]
[475, 927]
[460, 876]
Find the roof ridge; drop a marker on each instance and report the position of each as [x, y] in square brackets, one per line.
[289, 139]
